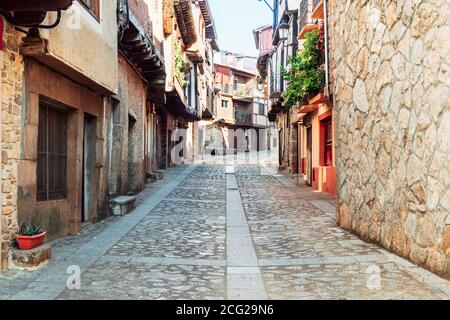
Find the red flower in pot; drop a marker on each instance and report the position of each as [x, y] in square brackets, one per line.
[30, 237]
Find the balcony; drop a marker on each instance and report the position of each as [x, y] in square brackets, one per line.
[303, 14]
[241, 117]
[276, 85]
[137, 44]
[250, 119]
[304, 21]
[240, 91]
[225, 89]
[318, 9]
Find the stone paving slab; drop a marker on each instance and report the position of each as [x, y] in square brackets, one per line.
[140, 280]
[224, 232]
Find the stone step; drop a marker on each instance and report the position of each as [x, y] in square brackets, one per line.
[30, 260]
[121, 205]
[154, 176]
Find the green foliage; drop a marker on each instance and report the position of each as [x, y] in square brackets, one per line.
[306, 76]
[182, 67]
[28, 230]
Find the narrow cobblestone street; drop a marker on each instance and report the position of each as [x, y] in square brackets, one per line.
[224, 232]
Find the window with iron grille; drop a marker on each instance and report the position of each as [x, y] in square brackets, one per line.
[52, 154]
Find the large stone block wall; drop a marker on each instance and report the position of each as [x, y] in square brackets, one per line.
[128, 164]
[392, 83]
[11, 66]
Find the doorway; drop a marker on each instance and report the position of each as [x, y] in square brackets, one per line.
[280, 148]
[169, 150]
[132, 167]
[309, 169]
[88, 208]
[299, 150]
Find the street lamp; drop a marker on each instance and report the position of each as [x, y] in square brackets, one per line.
[283, 29]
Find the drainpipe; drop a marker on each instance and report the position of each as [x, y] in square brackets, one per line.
[327, 57]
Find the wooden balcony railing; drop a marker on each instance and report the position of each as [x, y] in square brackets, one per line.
[316, 4]
[242, 117]
[303, 14]
[317, 9]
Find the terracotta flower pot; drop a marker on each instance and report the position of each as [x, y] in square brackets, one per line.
[30, 242]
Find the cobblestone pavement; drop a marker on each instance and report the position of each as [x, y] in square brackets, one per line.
[217, 232]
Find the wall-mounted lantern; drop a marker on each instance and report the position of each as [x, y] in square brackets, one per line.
[31, 13]
[283, 29]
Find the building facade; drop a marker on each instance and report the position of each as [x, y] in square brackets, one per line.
[190, 37]
[241, 105]
[373, 133]
[313, 123]
[285, 44]
[55, 113]
[306, 127]
[91, 96]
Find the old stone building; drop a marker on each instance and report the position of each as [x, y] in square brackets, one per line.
[84, 123]
[11, 107]
[305, 128]
[312, 155]
[141, 83]
[55, 113]
[392, 102]
[189, 39]
[241, 112]
[285, 45]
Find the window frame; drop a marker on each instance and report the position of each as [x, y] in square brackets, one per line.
[94, 9]
[326, 142]
[62, 195]
[226, 104]
[261, 109]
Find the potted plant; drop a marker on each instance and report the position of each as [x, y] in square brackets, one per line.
[306, 75]
[30, 237]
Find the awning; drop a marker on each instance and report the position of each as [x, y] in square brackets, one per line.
[207, 114]
[185, 20]
[262, 63]
[307, 108]
[138, 47]
[297, 117]
[176, 106]
[319, 99]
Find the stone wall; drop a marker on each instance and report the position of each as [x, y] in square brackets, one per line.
[392, 83]
[11, 65]
[127, 172]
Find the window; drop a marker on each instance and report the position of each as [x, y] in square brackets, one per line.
[224, 104]
[52, 154]
[93, 6]
[262, 109]
[327, 143]
[235, 83]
